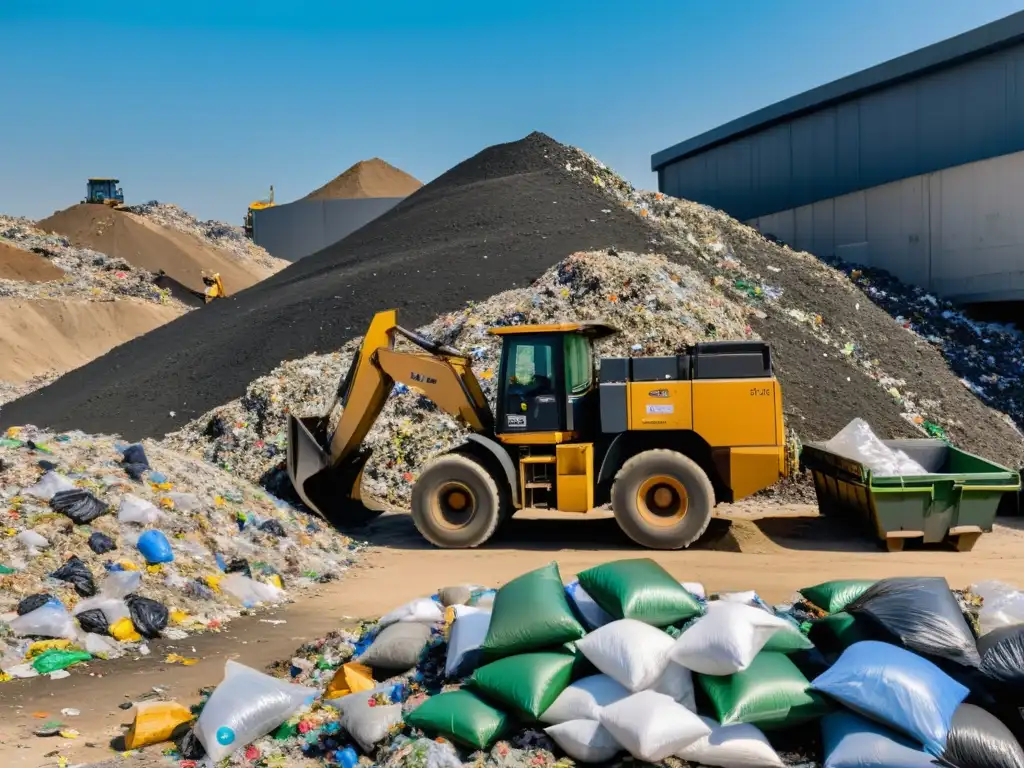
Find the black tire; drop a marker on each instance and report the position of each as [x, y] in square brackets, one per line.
[657, 527]
[445, 526]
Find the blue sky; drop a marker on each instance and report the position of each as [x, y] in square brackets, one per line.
[207, 102]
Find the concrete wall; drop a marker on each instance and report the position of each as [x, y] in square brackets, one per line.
[966, 112]
[295, 230]
[958, 232]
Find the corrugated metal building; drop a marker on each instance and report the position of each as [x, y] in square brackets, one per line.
[915, 166]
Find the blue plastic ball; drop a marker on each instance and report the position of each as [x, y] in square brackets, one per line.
[225, 736]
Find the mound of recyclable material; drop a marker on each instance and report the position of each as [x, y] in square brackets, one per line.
[492, 223]
[621, 691]
[105, 544]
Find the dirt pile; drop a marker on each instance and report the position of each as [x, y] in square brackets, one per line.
[25, 266]
[224, 237]
[492, 223]
[143, 243]
[838, 351]
[368, 178]
[660, 307]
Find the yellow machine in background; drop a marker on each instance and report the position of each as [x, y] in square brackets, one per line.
[214, 287]
[257, 205]
[662, 438]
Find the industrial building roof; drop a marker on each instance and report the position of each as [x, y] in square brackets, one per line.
[999, 34]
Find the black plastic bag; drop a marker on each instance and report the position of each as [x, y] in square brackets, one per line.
[274, 527]
[977, 739]
[135, 462]
[189, 746]
[100, 543]
[1002, 656]
[94, 621]
[81, 506]
[30, 603]
[239, 565]
[922, 615]
[77, 573]
[148, 616]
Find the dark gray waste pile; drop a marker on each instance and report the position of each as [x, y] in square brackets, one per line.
[493, 222]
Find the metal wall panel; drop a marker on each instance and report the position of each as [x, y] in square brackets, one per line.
[296, 230]
[969, 112]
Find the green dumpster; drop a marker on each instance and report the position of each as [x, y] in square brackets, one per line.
[957, 500]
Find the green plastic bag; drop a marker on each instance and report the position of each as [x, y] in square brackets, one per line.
[837, 632]
[53, 660]
[639, 589]
[460, 716]
[770, 693]
[834, 596]
[531, 613]
[789, 640]
[526, 684]
[4, 570]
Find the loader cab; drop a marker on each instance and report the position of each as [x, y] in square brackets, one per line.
[547, 381]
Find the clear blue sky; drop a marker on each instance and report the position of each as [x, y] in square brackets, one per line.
[207, 102]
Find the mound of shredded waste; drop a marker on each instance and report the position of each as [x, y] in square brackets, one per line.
[104, 541]
[659, 307]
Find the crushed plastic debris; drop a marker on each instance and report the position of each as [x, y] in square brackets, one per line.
[166, 576]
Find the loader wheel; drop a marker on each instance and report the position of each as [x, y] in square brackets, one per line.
[456, 503]
[662, 499]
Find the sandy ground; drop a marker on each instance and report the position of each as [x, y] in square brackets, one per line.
[43, 335]
[28, 267]
[774, 549]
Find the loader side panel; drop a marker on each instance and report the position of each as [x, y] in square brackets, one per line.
[736, 412]
[660, 405]
[574, 479]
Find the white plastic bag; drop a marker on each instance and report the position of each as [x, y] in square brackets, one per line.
[677, 682]
[135, 510]
[114, 608]
[593, 615]
[732, 746]
[468, 632]
[1003, 605]
[101, 646]
[586, 741]
[584, 699]
[246, 706]
[858, 442]
[49, 620]
[422, 610]
[695, 588]
[726, 639]
[120, 584]
[49, 485]
[631, 652]
[367, 725]
[32, 541]
[651, 726]
[249, 591]
[185, 502]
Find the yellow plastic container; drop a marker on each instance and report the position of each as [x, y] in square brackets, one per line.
[156, 721]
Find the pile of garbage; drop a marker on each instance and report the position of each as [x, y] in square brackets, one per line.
[835, 303]
[625, 660]
[89, 275]
[228, 238]
[105, 544]
[659, 306]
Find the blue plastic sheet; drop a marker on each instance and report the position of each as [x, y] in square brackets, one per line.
[852, 741]
[155, 547]
[895, 687]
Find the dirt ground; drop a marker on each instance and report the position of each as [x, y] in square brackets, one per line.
[775, 549]
[18, 264]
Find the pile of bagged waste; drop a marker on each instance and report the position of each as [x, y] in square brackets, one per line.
[228, 238]
[660, 307]
[104, 545]
[928, 356]
[88, 274]
[627, 662]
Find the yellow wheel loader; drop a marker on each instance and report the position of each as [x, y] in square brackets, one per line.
[661, 438]
[214, 287]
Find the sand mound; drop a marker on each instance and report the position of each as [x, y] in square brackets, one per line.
[40, 336]
[368, 178]
[143, 243]
[28, 267]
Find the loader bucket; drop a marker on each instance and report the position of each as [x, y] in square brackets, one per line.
[330, 491]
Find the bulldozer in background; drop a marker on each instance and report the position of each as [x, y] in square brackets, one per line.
[662, 438]
[257, 205]
[214, 287]
[104, 192]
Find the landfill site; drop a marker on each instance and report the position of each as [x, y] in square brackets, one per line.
[535, 469]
